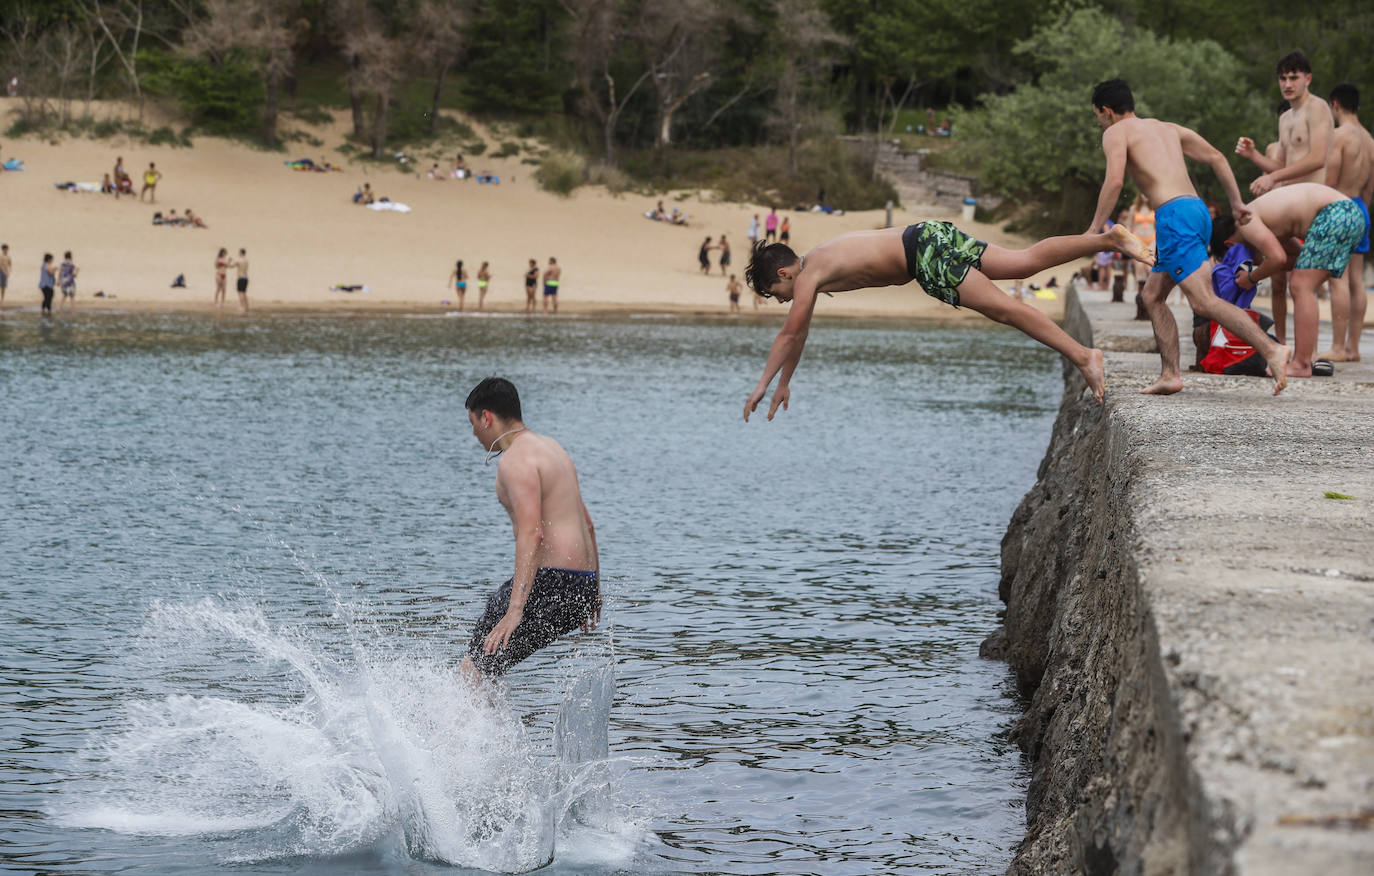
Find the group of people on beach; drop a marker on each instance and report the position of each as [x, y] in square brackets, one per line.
[53, 276]
[552, 276]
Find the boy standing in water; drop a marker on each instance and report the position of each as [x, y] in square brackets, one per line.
[1152, 152]
[556, 585]
[951, 266]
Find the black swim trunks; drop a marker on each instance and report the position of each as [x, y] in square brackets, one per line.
[242, 284]
[938, 256]
[559, 602]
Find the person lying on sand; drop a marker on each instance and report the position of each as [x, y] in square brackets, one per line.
[949, 265]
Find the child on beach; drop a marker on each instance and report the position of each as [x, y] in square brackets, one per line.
[732, 288]
[949, 265]
[66, 279]
[483, 280]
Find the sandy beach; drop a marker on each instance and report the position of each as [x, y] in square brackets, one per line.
[303, 234]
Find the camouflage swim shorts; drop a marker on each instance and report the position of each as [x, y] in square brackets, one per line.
[938, 256]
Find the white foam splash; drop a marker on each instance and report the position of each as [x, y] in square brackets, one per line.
[313, 754]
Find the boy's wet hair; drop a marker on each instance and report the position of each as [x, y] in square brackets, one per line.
[1222, 228]
[1115, 95]
[495, 394]
[1347, 95]
[764, 261]
[1294, 62]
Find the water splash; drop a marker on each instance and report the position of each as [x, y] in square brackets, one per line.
[337, 738]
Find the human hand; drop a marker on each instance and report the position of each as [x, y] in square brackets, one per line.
[594, 617]
[780, 397]
[1245, 147]
[1241, 213]
[1262, 185]
[1243, 278]
[752, 404]
[501, 633]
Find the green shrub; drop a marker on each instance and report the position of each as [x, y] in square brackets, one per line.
[475, 148]
[508, 148]
[561, 172]
[222, 98]
[614, 179]
[313, 114]
[164, 136]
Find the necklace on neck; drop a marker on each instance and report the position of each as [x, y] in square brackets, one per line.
[492, 452]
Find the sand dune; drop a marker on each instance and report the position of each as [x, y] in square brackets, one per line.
[303, 233]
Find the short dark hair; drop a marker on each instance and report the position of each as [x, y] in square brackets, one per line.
[762, 270]
[1222, 227]
[1347, 95]
[495, 394]
[1294, 62]
[1115, 95]
[67, 254]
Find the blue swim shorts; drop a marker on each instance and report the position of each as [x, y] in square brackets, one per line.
[1183, 228]
[1332, 238]
[1363, 245]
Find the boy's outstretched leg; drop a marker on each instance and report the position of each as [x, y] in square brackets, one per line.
[1017, 264]
[978, 293]
[1197, 288]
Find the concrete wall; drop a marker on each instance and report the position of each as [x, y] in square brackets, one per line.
[1192, 621]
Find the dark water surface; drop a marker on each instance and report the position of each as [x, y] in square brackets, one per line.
[239, 560]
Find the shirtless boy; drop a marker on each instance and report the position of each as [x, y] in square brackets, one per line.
[553, 275]
[1329, 225]
[1349, 170]
[1152, 152]
[556, 585]
[732, 289]
[241, 266]
[1305, 133]
[948, 264]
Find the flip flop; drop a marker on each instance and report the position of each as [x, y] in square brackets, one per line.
[1323, 368]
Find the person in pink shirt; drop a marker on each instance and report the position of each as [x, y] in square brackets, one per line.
[770, 225]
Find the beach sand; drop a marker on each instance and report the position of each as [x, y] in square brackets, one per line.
[303, 233]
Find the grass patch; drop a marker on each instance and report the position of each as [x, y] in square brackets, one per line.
[561, 172]
[508, 149]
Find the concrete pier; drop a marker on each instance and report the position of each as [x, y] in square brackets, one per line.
[1192, 620]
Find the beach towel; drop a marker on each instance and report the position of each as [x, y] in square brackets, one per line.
[393, 206]
[348, 287]
[13, 164]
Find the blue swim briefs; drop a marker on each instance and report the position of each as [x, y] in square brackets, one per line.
[1183, 228]
[1363, 245]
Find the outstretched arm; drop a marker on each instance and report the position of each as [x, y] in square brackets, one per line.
[787, 348]
[1114, 144]
[1198, 149]
[1245, 148]
[520, 484]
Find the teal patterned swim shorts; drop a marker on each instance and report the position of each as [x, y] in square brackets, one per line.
[1334, 234]
[938, 256]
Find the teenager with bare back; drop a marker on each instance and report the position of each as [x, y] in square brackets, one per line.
[949, 265]
[1152, 152]
[1349, 170]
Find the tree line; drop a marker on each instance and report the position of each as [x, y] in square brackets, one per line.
[661, 75]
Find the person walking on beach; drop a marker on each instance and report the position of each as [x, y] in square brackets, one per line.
[66, 281]
[222, 264]
[948, 264]
[785, 230]
[1153, 153]
[119, 175]
[47, 279]
[241, 265]
[556, 586]
[704, 256]
[5, 267]
[553, 275]
[531, 284]
[1350, 170]
[724, 248]
[483, 280]
[732, 289]
[770, 225]
[458, 279]
[752, 235]
[150, 178]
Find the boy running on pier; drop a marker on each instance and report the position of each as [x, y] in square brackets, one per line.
[1152, 152]
[951, 267]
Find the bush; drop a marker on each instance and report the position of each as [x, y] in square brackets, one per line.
[508, 149]
[476, 148]
[313, 114]
[561, 172]
[164, 136]
[223, 98]
[614, 179]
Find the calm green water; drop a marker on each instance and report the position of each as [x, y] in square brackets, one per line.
[240, 560]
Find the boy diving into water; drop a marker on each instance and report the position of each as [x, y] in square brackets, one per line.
[951, 267]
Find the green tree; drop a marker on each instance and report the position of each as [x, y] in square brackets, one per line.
[1041, 140]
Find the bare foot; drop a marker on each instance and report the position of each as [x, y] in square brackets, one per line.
[1295, 370]
[1128, 244]
[1092, 373]
[1278, 369]
[1333, 355]
[1353, 357]
[1164, 386]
